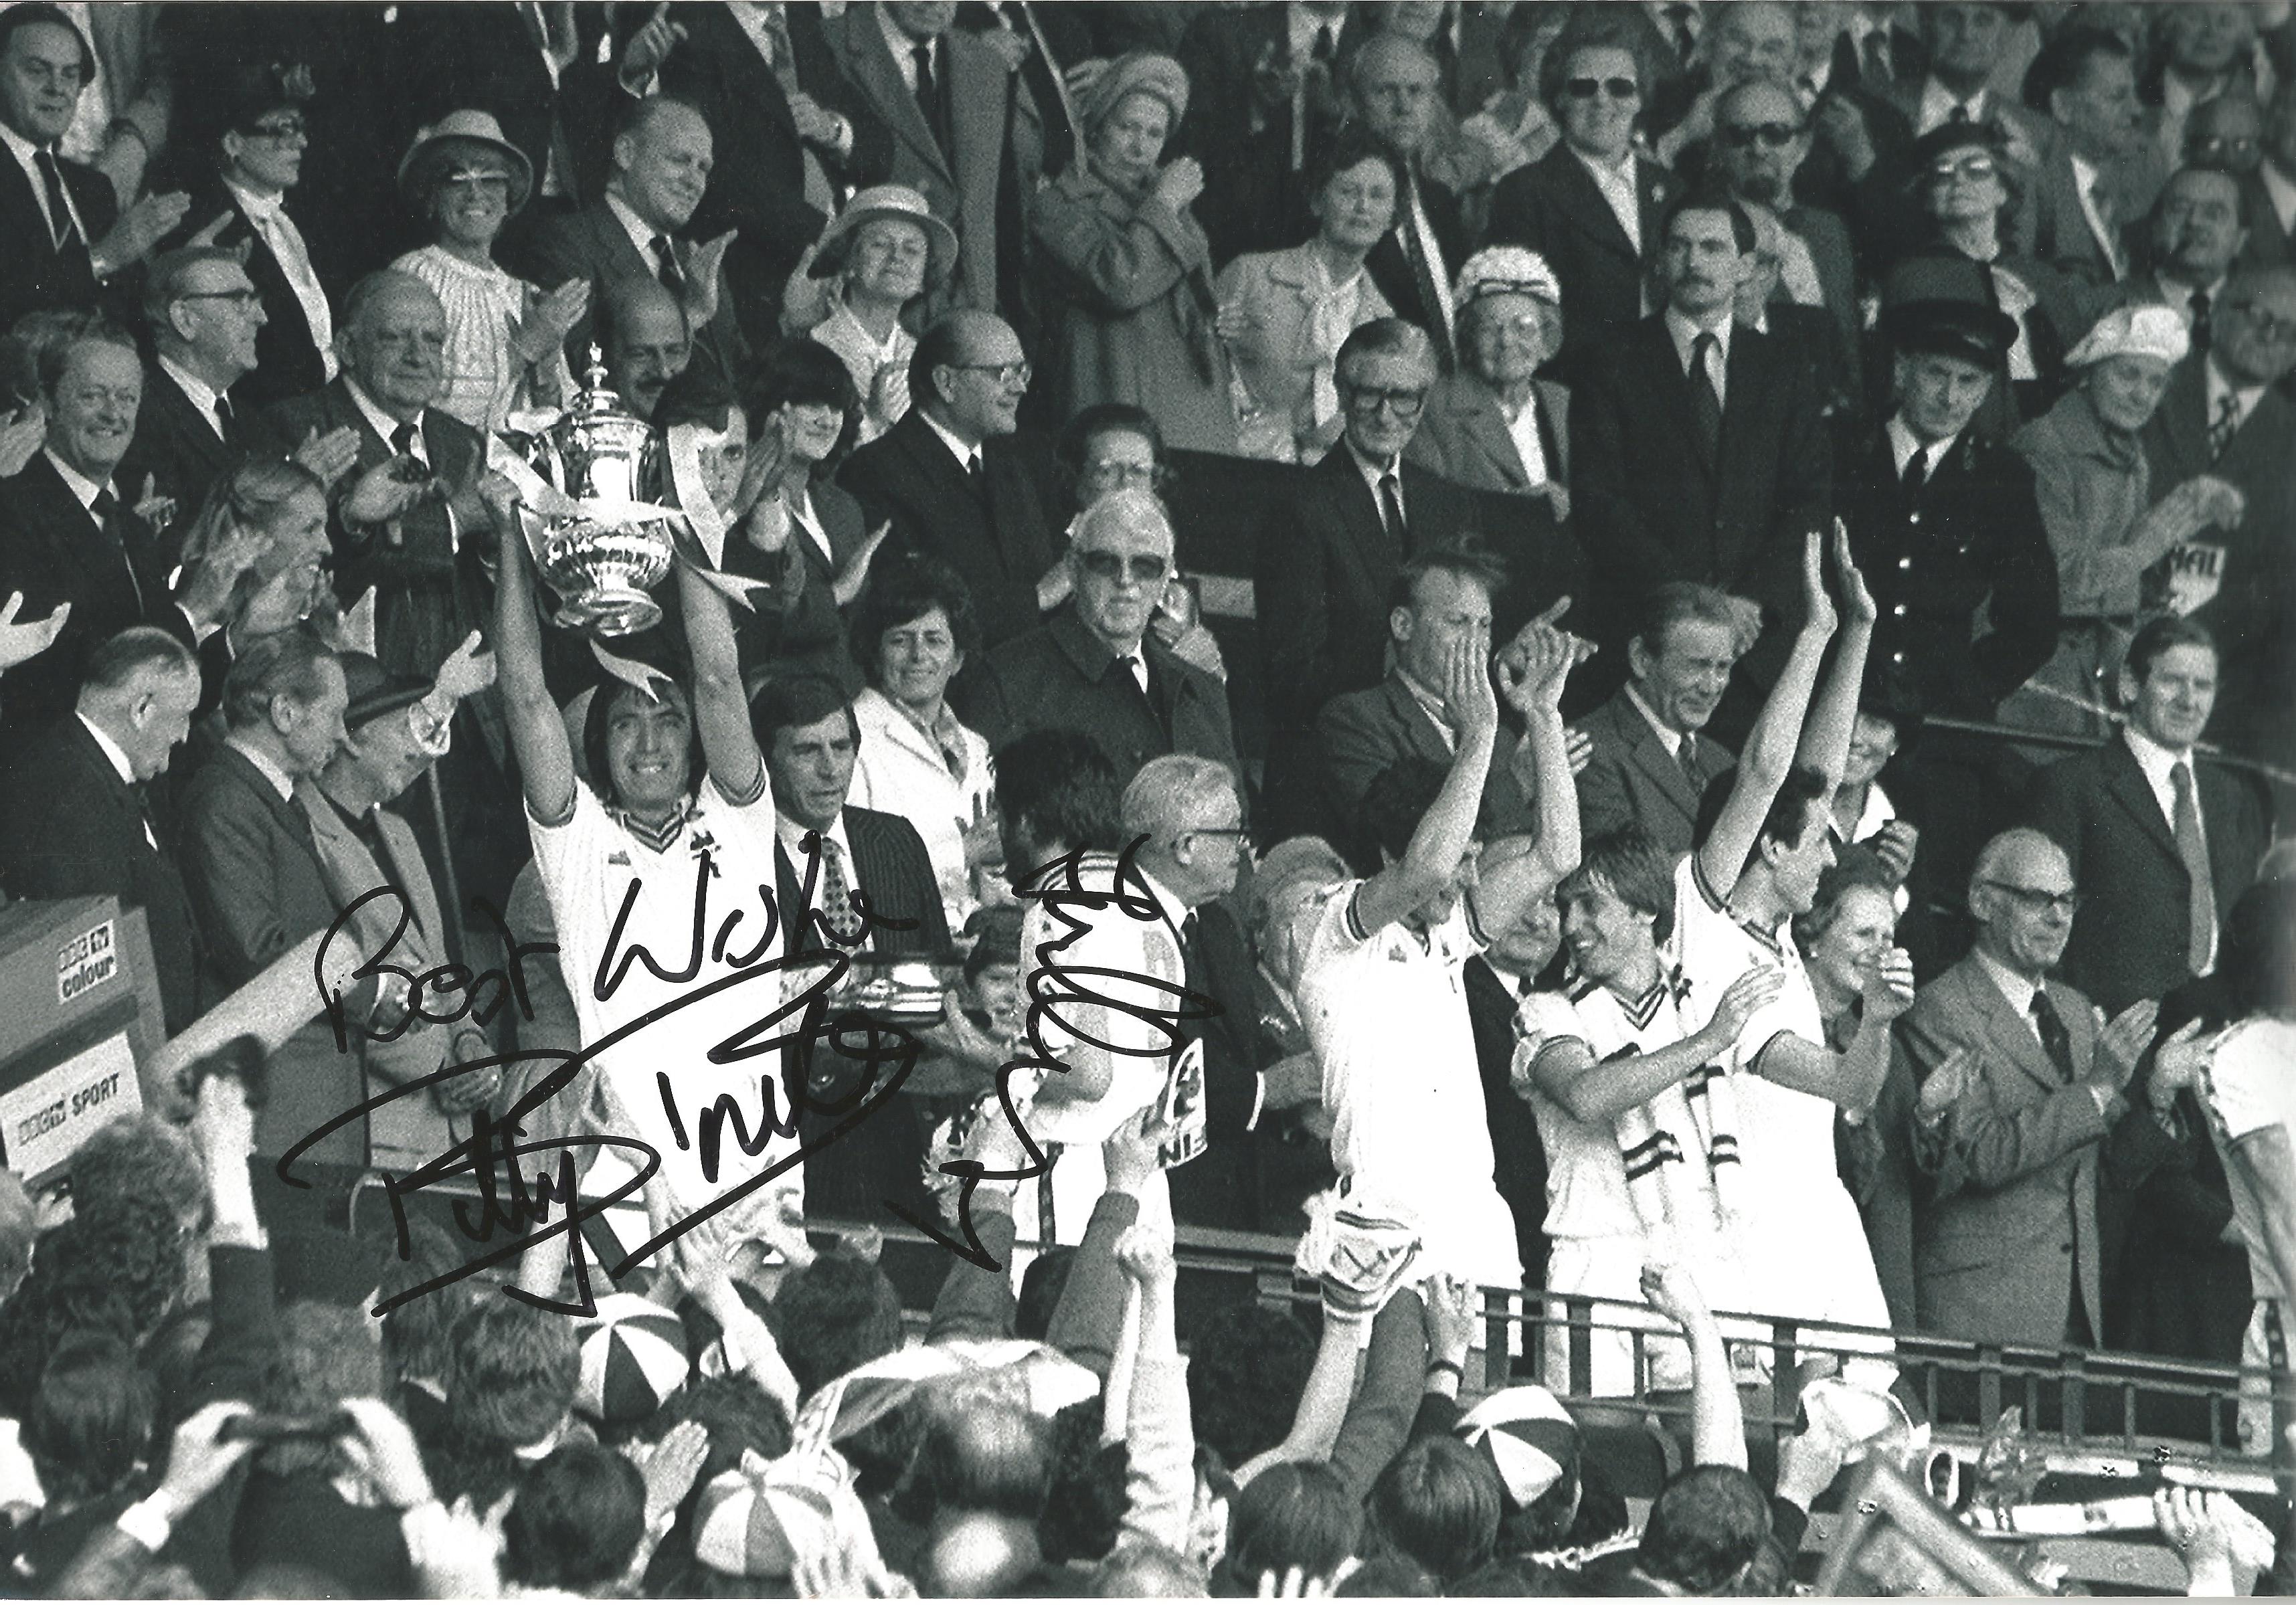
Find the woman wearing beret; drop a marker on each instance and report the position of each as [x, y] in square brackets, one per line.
[1130, 267]
[504, 338]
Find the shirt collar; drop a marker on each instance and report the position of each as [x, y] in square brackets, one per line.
[842, 321]
[1684, 335]
[2220, 384]
[642, 233]
[1620, 171]
[203, 395]
[382, 423]
[1937, 103]
[792, 836]
[957, 448]
[279, 778]
[2013, 986]
[81, 486]
[22, 150]
[1175, 910]
[1903, 443]
[255, 205]
[111, 750]
[1429, 700]
[900, 44]
[1372, 472]
[2152, 758]
[1671, 739]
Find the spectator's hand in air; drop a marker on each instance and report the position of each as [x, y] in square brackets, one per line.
[1856, 601]
[20, 642]
[1145, 1254]
[702, 280]
[854, 575]
[1895, 845]
[668, 1468]
[1890, 986]
[21, 437]
[1672, 1289]
[551, 319]
[1451, 1314]
[2180, 1062]
[851, 1569]
[1293, 1585]
[468, 670]
[331, 455]
[1818, 617]
[2123, 1041]
[1130, 1156]
[141, 227]
[651, 45]
[2196, 1523]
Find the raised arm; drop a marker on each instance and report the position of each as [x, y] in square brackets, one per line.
[1769, 752]
[1448, 828]
[1717, 1424]
[1834, 715]
[545, 760]
[1532, 674]
[721, 713]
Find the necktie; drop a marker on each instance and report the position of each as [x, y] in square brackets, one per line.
[1917, 470]
[143, 811]
[1678, 18]
[2227, 425]
[224, 420]
[928, 92]
[61, 230]
[2056, 1042]
[1390, 511]
[838, 918]
[1136, 669]
[1423, 277]
[2195, 851]
[1326, 45]
[666, 267]
[1874, 69]
[975, 475]
[1959, 114]
[105, 510]
[1705, 401]
[1686, 755]
[2200, 305]
[402, 440]
[1194, 975]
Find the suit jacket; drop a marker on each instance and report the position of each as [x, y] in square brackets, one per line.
[1061, 677]
[287, 360]
[426, 589]
[909, 476]
[1390, 268]
[1652, 507]
[960, 182]
[1520, 1173]
[2131, 938]
[1364, 732]
[485, 58]
[33, 273]
[1253, 200]
[758, 185]
[1554, 206]
[177, 446]
[1828, 240]
[1463, 434]
[1630, 778]
[258, 889]
[1829, 362]
[75, 829]
[807, 635]
[2003, 1257]
[591, 243]
[2269, 244]
[1972, 540]
[52, 549]
[2056, 231]
[1221, 1187]
[2254, 612]
[883, 1158]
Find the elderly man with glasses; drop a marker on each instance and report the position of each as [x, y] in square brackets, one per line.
[205, 316]
[2029, 1079]
[1095, 665]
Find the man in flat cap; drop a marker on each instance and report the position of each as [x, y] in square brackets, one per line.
[1944, 522]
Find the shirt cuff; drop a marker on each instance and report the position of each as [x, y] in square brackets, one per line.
[151, 1520]
[1259, 1100]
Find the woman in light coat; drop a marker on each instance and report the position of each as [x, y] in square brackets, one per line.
[1130, 267]
[911, 634]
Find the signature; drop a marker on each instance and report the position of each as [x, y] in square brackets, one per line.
[517, 1207]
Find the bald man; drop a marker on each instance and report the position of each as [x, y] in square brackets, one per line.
[646, 341]
[2028, 1078]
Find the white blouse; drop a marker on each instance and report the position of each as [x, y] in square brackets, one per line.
[485, 379]
[900, 770]
[863, 356]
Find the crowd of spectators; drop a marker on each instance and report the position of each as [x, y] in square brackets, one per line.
[1611, 656]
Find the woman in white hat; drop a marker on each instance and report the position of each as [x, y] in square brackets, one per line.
[2107, 529]
[505, 339]
[880, 255]
[1493, 424]
[1130, 270]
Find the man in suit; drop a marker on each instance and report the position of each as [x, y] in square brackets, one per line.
[1188, 817]
[663, 153]
[1263, 100]
[1395, 90]
[527, 67]
[77, 821]
[205, 318]
[1650, 761]
[2272, 188]
[2035, 1084]
[1440, 596]
[1491, 423]
[828, 854]
[2099, 172]
[1095, 665]
[1497, 980]
[1590, 206]
[2198, 230]
[952, 103]
[1947, 526]
[1328, 559]
[2165, 845]
[644, 341]
[1696, 443]
[257, 884]
[765, 78]
[68, 535]
[67, 234]
[1760, 143]
[954, 481]
[2226, 414]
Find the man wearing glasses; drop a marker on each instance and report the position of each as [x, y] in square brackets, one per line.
[1095, 665]
[205, 316]
[2035, 1082]
[1760, 141]
[1590, 206]
[2226, 414]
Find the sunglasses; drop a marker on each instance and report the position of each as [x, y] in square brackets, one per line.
[1143, 569]
[1618, 89]
[278, 133]
[1770, 136]
[1969, 168]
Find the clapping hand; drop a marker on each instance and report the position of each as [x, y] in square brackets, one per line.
[551, 319]
[2122, 1043]
[331, 455]
[21, 437]
[1890, 986]
[2180, 1062]
[1947, 1085]
[19, 642]
[1467, 690]
[701, 280]
[651, 45]
[141, 227]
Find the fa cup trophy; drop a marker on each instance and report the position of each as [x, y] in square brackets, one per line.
[602, 544]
